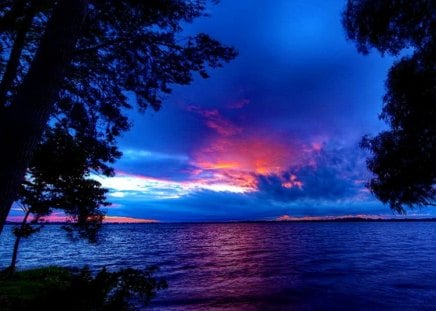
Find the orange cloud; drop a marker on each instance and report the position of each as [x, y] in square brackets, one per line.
[292, 182]
[256, 154]
[217, 166]
[236, 158]
[234, 155]
[223, 179]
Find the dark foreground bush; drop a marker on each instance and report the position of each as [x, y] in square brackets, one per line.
[57, 288]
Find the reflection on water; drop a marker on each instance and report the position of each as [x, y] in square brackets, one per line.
[261, 266]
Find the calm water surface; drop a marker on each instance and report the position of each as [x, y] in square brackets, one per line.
[261, 266]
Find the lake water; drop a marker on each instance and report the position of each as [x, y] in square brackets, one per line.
[261, 266]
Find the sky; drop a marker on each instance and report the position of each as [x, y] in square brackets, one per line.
[272, 135]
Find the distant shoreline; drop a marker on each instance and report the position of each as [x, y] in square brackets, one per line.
[261, 221]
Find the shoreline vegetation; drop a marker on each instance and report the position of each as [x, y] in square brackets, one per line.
[61, 288]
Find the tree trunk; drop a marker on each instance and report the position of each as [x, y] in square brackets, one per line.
[17, 243]
[15, 56]
[22, 124]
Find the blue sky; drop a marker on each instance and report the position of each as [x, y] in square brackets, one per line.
[273, 133]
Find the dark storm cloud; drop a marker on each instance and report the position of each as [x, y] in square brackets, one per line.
[202, 206]
[336, 173]
[155, 164]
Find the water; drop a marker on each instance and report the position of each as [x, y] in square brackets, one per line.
[261, 266]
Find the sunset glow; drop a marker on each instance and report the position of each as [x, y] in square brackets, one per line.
[218, 155]
[274, 132]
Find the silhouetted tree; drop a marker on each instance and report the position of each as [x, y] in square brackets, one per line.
[67, 58]
[403, 159]
[59, 179]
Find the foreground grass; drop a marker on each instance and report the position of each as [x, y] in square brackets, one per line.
[58, 288]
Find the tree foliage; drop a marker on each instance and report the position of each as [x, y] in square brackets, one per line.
[123, 46]
[59, 178]
[72, 65]
[389, 26]
[403, 158]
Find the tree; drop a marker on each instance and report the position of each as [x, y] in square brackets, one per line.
[403, 159]
[59, 179]
[82, 57]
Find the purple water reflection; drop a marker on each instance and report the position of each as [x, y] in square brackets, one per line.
[262, 266]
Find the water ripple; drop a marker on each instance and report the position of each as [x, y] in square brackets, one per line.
[261, 266]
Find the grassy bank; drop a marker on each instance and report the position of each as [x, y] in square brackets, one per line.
[58, 288]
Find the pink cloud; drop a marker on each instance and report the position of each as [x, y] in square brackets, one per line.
[292, 182]
[239, 104]
[59, 217]
[215, 121]
[238, 159]
[256, 154]
[235, 155]
[54, 217]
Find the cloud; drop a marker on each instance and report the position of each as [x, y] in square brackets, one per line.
[249, 167]
[170, 166]
[215, 121]
[137, 187]
[334, 173]
[203, 205]
[143, 188]
[135, 155]
[239, 104]
[206, 205]
[252, 152]
[235, 156]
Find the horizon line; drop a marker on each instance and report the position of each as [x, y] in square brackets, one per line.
[294, 220]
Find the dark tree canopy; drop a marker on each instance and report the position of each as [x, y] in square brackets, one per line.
[403, 159]
[71, 64]
[59, 178]
[389, 25]
[122, 46]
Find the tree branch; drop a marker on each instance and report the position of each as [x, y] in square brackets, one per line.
[101, 46]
